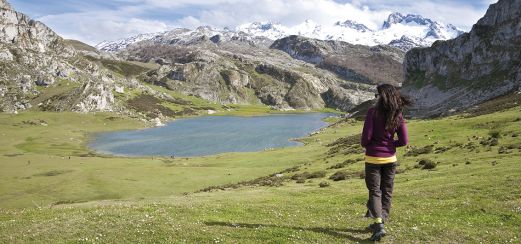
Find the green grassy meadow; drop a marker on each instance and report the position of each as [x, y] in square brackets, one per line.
[53, 189]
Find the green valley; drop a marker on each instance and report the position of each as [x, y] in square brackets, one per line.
[47, 196]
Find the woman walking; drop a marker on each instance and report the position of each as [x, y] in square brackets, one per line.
[382, 122]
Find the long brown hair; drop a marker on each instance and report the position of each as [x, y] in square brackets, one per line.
[390, 105]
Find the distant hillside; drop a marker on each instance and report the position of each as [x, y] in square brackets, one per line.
[232, 68]
[80, 46]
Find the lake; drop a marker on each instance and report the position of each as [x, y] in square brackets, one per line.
[210, 135]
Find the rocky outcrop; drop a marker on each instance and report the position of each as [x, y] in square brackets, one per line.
[477, 66]
[40, 69]
[362, 64]
[5, 5]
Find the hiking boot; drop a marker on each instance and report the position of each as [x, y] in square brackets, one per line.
[372, 227]
[378, 231]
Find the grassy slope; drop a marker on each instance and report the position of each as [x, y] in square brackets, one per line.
[37, 170]
[473, 195]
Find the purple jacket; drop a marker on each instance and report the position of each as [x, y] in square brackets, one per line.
[379, 142]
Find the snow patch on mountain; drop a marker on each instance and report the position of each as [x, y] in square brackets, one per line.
[112, 46]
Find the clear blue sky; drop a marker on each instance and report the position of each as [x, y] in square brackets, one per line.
[93, 21]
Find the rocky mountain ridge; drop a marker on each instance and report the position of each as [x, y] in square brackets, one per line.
[477, 66]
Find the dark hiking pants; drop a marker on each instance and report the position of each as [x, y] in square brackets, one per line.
[379, 179]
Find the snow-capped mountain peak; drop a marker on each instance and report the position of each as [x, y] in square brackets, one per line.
[409, 19]
[399, 30]
[112, 46]
[392, 19]
[267, 29]
[353, 25]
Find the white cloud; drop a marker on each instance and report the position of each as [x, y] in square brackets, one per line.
[290, 12]
[94, 27]
[137, 16]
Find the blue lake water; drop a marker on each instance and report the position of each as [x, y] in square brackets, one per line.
[211, 135]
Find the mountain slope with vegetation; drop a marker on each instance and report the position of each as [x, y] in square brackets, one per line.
[234, 70]
[40, 71]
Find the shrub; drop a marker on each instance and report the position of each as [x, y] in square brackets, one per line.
[306, 175]
[289, 170]
[269, 181]
[441, 149]
[324, 184]
[494, 134]
[491, 141]
[261, 181]
[346, 145]
[317, 174]
[301, 181]
[503, 150]
[340, 175]
[418, 151]
[299, 176]
[343, 164]
[426, 164]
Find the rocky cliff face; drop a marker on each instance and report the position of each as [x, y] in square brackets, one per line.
[362, 64]
[477, 66]
[36, 63]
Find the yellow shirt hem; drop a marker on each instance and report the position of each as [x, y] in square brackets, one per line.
[380, 160]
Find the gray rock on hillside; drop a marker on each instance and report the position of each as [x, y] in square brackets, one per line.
[4, 4]
[32, 55]
[477, 66]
